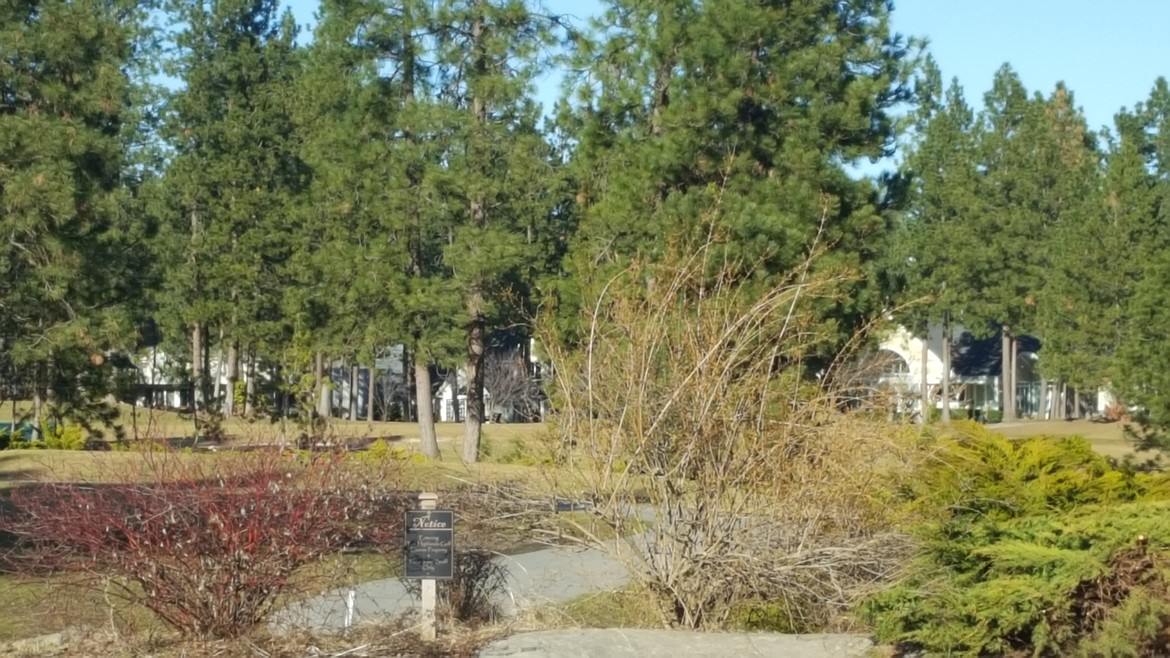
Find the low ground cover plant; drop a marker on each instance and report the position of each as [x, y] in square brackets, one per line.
[1035, 546]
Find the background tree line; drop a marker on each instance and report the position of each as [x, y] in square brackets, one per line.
[288, 200]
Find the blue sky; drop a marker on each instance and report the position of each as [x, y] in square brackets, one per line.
[1108, 53]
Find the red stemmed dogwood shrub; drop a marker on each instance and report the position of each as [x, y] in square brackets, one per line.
[209, 544]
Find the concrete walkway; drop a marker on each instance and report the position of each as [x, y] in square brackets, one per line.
[619, 643]
[561, 574]
[540, 577]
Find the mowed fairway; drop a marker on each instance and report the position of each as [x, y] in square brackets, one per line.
[1108, 439]
[506, 448]
[143, 423]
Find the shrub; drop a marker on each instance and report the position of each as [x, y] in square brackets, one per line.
[696, 403]
[209, 544]
[65, 437]
[1035, 545]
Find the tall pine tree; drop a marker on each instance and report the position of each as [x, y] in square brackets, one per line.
[70, 268]
[233, 179]
[734, 121]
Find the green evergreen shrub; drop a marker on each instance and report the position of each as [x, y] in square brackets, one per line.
[1030, 546]
[65, 437]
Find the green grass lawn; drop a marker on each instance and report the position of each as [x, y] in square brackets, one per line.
[1107, 438]
[33, 607]
[143, 423]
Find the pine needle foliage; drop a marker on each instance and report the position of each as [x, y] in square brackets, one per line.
[1030, 547]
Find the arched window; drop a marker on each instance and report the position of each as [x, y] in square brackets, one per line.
[891, 363]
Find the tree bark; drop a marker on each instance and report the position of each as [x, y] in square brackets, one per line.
[411, 392]
[233, 375]
[196, 367]
[371, 390]
[353, 392]
[216, 387]
[946, 378]
[1007, 392]
[324, 390]
[426, 415]
[1015, 378]
[476, 333]
[250, 384]
[924, 385]
[38, 411]
[473, 424]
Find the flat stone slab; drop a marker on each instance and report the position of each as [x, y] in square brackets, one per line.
[598, 643]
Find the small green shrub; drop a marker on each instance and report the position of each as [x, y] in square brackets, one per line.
[514, 453]
[65, 437]
[994, 416]
[379, 449]
[763, 617]
[239, 395]
[1029, 546]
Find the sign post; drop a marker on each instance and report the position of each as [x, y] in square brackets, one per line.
[430, 553]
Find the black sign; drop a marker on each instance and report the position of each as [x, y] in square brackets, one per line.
[430, 543]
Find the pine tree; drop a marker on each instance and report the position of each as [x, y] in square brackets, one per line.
[1037, 176]
[377, 139]
[1138, 185]
[70, 270]
[1081, 306]
[233, 179]
[940, 235]
[733, 121]
[497, 169]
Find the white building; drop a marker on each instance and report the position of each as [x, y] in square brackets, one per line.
[974, 377]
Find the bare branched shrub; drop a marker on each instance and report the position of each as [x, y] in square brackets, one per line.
[209, 544]
[689, 414]
[509, 378]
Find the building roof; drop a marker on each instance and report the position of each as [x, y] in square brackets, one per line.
[983, 357]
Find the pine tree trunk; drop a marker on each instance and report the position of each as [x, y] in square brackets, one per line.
[217, 376]
[946, 380]
[1015, 378]
[38, 411]
[426, 414]
[206, 369]
[371, 391]
[476, 334]
[924, 385]
[1077, 403]
[316, 380]
[353, 392]
[473, 423]
[281, 401]
[233, 375]
[1005, 378]
[250, 384]
[196, 367]
[411, 392]
[325, 390]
